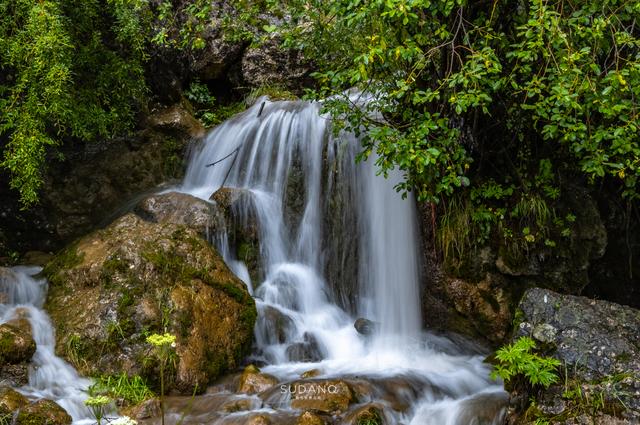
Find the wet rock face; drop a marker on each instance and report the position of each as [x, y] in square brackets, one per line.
[16, 342]
[180, 208]
[242, 226]
[598, 341]
[96, 179]
[306, 351]
[136, 277]
[475, 295]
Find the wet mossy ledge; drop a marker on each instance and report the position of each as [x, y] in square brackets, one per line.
[116, 286]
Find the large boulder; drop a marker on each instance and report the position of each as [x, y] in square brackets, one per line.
[598, 343]
[136, 278]
[181, 208]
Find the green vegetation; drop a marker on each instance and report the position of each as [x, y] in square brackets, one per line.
[61, 61]
[73, 71]
[490, 106]
[585, 399]
[491, 110]
[370, 417]
[517, 363]
[133, 390]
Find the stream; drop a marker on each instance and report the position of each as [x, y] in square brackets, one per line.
[336, 243]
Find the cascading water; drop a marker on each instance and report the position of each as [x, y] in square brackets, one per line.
[351, 220]
[50, 377]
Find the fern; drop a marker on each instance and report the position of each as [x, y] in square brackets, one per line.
[520, 360]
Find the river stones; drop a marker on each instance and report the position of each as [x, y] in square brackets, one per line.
[258, 420]
[39, 412]
[365, 326]
[370, 413]
[310, 418]
[253, 381]
[323, 395]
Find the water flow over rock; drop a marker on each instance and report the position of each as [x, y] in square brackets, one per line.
[314, 207]
[50, 377]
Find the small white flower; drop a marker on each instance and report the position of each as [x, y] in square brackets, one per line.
[124, 420]
[173, 345]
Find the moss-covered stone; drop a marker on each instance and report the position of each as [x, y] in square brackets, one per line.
[43, 412]
[137, 277]
[16, 341]
[11, 401]
[253, 381]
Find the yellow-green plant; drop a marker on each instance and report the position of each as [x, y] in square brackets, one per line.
[163, 346]
[98, 406]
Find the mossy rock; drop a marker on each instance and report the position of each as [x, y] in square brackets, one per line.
[321, 395]
[10, 401]
[136, 278]
[16, 341]
[253, 381]
[43, 412]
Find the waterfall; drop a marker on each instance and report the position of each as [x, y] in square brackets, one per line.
[336, 242]
[50, 377]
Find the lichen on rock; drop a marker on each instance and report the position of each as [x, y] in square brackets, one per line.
[597, 343]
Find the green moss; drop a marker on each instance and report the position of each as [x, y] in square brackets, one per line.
[66, 259]
[7, 341]
[112, 266]
[175, 269]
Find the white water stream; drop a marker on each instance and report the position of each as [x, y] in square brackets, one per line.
[50, 377]
[285, 152]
